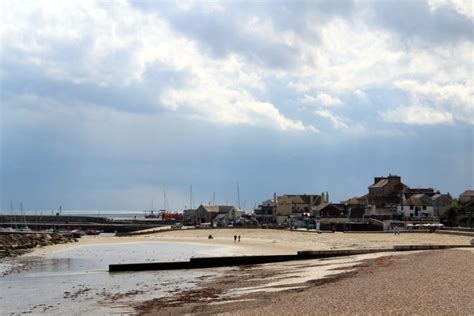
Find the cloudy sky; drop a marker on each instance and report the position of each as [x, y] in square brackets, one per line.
[106, 104]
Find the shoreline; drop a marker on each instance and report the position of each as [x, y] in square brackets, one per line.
[271, 242]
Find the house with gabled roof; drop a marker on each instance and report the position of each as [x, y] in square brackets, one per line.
[213, 213]
[418, 207]
[330, 210]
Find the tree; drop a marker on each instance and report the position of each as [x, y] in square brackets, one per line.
[450, 214]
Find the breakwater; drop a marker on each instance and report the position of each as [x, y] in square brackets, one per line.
[213, 262]
[69, 222]
[15, 244]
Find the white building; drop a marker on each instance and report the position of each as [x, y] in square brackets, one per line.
[418, 206]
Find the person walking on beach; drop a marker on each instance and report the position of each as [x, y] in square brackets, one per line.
[397, 230]
[239, 238]
[235, 238]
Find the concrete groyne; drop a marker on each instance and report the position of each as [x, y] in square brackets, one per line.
[214, 262]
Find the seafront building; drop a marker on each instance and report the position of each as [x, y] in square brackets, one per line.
[213, 214]
[388, 202]
[296, 205]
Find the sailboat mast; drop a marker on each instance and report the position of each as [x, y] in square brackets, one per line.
[191, 196]
[165, 200]
[24, 218]
[11, 214]
[238, 195]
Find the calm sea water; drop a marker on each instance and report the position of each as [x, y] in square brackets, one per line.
[75, 280]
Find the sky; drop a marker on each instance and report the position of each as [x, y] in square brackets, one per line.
[108, 104]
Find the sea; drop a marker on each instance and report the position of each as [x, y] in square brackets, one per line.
[75, 280]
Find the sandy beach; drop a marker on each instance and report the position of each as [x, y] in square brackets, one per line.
[270, 241]
[423, 282]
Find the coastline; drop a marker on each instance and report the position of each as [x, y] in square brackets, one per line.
[232, 290]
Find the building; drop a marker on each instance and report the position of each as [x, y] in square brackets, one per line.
[330, 210]
[297, 205]
[466, 196]
[383, 197]
[264, 212]
[386, 186]
[213, 214]
[417, 207]
[412, 191]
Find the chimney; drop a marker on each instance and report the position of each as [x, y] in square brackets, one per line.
[327, 197]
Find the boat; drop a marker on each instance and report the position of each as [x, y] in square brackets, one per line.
[76, 233]
[93, 232]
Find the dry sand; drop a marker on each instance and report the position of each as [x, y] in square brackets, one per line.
[271, 241]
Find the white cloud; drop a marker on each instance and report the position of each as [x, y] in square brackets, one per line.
[361, 95]
[228, 106]
[336, 121]
[417, 115]
[379, 60]
[464, 7]
[114, 45]
[455, 99]
[322, 99]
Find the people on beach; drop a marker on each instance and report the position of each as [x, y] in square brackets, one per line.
[397, 230]
[210, 237]
[239, 238]
[235, 238]
[333, 229]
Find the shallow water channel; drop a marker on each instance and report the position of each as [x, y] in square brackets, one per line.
[76, 280]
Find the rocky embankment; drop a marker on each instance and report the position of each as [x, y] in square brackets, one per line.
[15, 244]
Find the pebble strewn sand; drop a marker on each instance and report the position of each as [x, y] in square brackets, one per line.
[432, 282]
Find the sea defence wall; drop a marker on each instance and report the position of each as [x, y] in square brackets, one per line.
[68, 222]
[51, 219]
[214, 262]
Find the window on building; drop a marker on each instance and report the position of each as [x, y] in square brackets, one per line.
[411, 207]
[424, 207]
